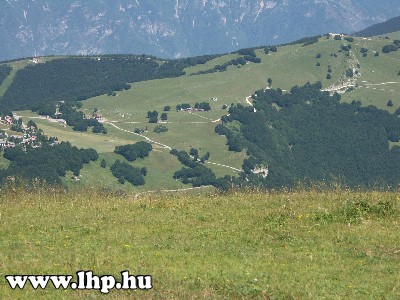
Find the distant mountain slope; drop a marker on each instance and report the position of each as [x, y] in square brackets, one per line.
[174, 28]
[389, 26]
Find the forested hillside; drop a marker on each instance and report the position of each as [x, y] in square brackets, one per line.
[307, 135]
[80, 78]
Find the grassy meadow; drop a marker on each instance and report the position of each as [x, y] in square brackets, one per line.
[291, 65]
[248, 245]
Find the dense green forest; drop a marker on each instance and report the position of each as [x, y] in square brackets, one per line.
[48, 162]
[4, 72]
[80, 78]
[307, 135]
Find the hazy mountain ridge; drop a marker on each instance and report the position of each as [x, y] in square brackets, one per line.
[391, 25]
[173, 28]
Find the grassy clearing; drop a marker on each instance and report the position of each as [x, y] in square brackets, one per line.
[160, 165]
[332, 244]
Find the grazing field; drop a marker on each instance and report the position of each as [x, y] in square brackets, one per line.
[277, 245]
[291, 65]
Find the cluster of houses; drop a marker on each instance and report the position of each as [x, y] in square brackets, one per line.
[28, 137]
[10, 141]
[7, 120]
[99, 116]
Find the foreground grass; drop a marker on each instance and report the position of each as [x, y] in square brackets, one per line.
[332, 244]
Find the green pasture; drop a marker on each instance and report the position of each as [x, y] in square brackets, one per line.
[331, 244]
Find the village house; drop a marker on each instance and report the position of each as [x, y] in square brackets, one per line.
[263, 171]
[8, 120]
[7, 144]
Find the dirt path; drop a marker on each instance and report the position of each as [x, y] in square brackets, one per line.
[248, 100]
[141, 135]
[153, 141]
[166, 146]
[229, 167]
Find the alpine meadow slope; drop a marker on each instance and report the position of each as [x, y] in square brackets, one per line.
[355, 67]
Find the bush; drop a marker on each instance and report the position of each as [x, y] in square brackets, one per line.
[153, 120]
[345, 47]
[138, 130]
[151, 114]
[349, 73]
[273, 49]
[194, 152]
[103, 163]
[160, 129]
[143, 171]
[389, 48]
[164, 117]
[349, 39]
